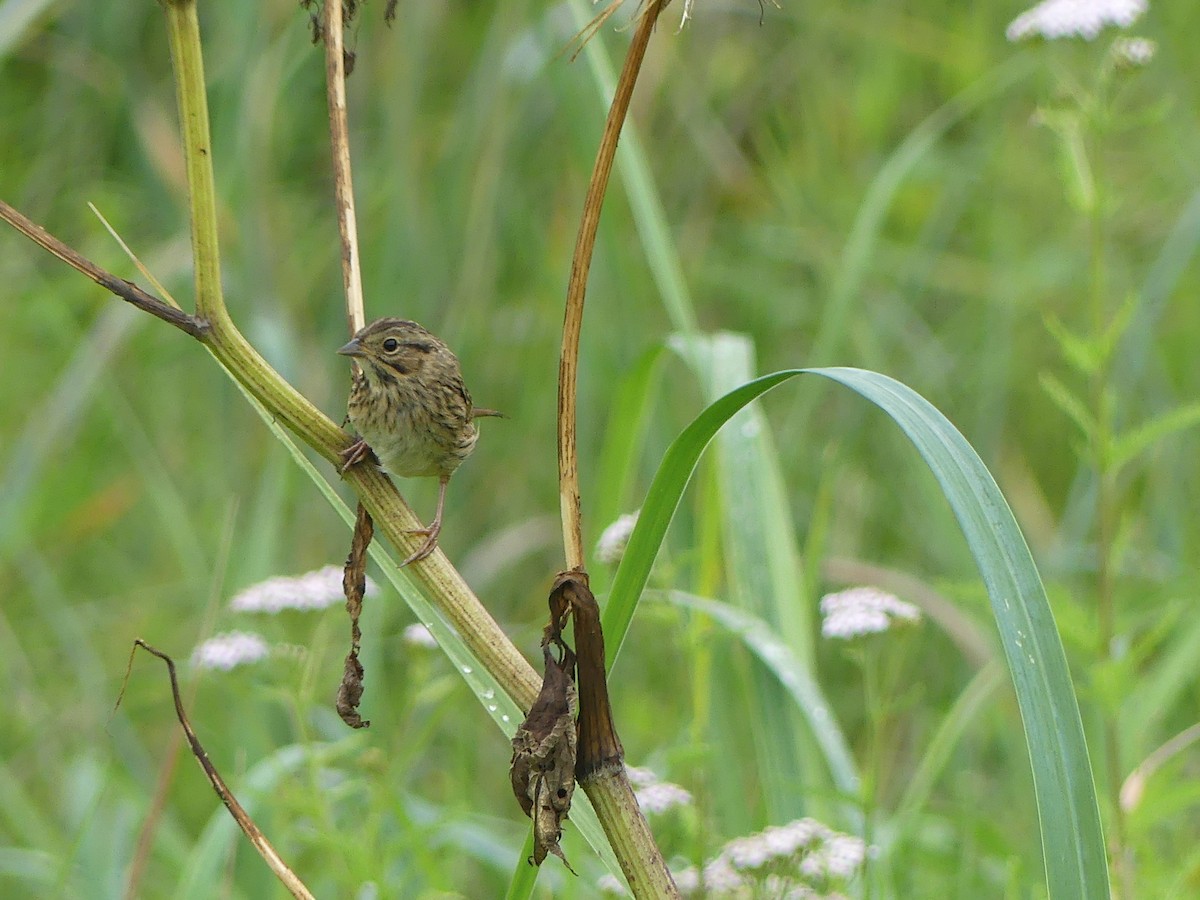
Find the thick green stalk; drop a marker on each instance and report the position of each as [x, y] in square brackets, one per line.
[392, 515]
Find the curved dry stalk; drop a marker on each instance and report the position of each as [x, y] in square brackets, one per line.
[581, 263]
[259, 840]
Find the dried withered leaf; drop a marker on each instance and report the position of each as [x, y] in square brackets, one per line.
[350, 691]
[354, 585]
[543, 761]
[599, 746]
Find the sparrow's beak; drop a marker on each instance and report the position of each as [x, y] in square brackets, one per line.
[354, 348]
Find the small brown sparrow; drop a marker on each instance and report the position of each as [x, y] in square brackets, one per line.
[409, 405]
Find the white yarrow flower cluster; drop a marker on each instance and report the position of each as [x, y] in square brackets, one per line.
[611, 546]
[803, 860]
[229, 650]
[1053, 19]
[312, 590]
[863, 610]
[658, 798]
[654, 795]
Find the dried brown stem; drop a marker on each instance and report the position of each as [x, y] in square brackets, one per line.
[252, 831]
[585, 243]
[343, 184]
[126, 290]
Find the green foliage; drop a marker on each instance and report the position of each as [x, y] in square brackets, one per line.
[844, 185]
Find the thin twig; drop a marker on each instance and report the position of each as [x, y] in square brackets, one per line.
[252, 831]
[585, 243]
[126, 290]
[343, 185]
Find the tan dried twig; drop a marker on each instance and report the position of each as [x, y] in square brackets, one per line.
[259, 840]
[581, 263]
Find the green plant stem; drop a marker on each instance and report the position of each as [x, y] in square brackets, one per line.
[392, 515]
[1107, 510]
[873, 765]
[642, 862]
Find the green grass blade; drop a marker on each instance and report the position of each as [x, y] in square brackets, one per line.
[1072, 840]
[524, 877]
[1070, 822]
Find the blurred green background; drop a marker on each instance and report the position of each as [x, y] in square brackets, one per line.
[865, 184]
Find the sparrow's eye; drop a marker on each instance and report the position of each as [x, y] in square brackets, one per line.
[390, 344]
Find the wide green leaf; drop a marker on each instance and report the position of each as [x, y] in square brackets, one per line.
[1072, 839]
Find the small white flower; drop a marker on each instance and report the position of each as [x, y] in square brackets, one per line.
[750, 852]
[779, 886]
[1053, 19]
[843, 854]
[1133, 52]
[687, 880]
[803, 832]
[813, 865]
[720, 876]
[611, 546]
[223, 652]
[418, 635]
[785, 840]
[658, 798]
[312, 590]
[863, 610]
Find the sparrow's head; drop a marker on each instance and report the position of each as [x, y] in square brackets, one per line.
[389, 349]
